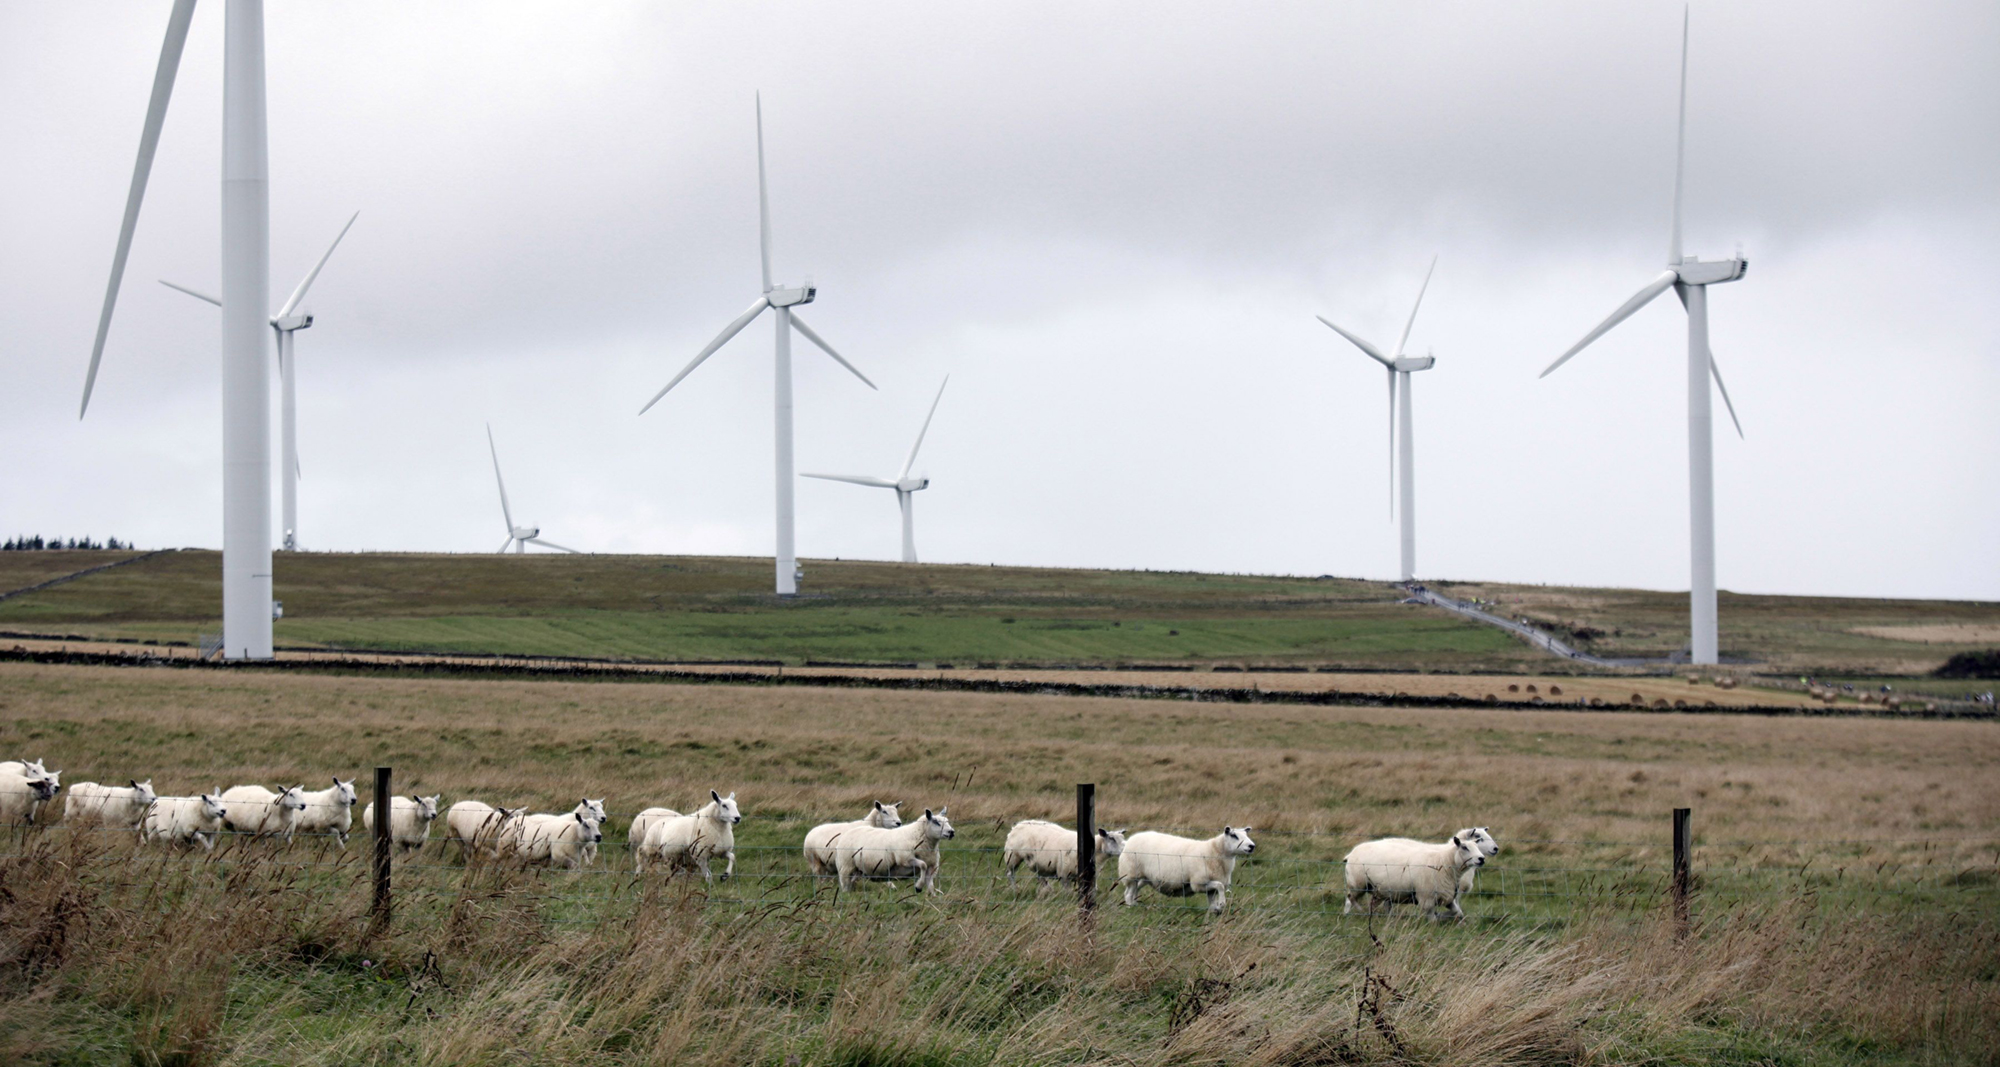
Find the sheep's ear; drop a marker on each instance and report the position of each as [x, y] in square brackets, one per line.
[135, 783]
[878, 805]
[927, 813]
[715, 796]
[732, 794]
[1454, 839]
[944, 809]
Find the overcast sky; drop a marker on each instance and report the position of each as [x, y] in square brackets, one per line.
[1111, 224]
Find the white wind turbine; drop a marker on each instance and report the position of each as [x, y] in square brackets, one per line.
[518, 537]
[288, 321]
[246, 279]
[782, 301]
[1690, 279]
[1402, 448]
[903, 484]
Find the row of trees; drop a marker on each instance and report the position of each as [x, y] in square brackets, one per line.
[26, 543]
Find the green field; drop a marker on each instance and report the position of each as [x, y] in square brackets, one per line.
[694, 608]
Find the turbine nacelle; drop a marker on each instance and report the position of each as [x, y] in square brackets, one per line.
[300, 321]
[1407, 364]
[780, 298]
[526, 533]
[911, 485]
[1711, 271]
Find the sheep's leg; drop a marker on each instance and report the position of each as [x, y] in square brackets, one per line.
[701, 864]
[729, 871]
[1218, 895]
[1456, 911]
[1132, 890]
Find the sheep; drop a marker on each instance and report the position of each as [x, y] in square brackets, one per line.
[820, 839]
[482, 827]
[1183, 866]
[25, 789]
[911, 849]
[557, 840]
[594, 809]
[328, 811]
[258, 811]
[186, 821]
[1049, 850]
[690, 840]
[410, 820]
[121, 806]
[1397, 870]
[1488, 848]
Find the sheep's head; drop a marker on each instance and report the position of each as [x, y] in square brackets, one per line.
[211, 805]
[725, 807]
[343, 792]
[143, 792]
[32, 769]
[1466, 852]
[427, 807]
[43, 788]
[884, 815]
[1110, 842]
[592, 808]
[1481, 838]
[293, 798]
[590, 831]
[1236, 841]
[937, 826]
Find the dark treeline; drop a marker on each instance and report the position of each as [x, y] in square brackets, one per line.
[26, 543]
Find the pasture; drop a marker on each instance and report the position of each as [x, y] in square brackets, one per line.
[1846, 871]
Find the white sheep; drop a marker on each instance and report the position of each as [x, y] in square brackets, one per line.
[186, 820]
[120, 806]
[1183, 866]
[1049, 850]
[25, 789]
[691, 840]
[556, 840]
[1398, 870]
[410, 819]
[256, 810]
[820, 839]
[1488, 848]
[480, 827]
[594, 809]
[328, 811]
[906, 851]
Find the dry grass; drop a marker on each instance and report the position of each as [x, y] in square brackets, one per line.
[107, 957]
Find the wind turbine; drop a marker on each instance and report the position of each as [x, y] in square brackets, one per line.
[288, 321]
[518, 537]
[246, 257]
[903, 484]
[1402, 448]
[1689, 278]
[782, 301]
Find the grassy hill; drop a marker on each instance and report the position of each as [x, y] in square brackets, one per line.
[702, 608]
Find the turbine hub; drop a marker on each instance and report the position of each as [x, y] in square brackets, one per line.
[787, 297]
[1711, 272]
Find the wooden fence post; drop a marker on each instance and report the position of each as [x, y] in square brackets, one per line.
[385, 806]
[1086, 846]
[1683, 860]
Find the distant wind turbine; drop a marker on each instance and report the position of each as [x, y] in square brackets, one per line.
[288, 321]
[1690, 278]
[1402, 448]
[518, 537]
[903, 484]
[782, 301]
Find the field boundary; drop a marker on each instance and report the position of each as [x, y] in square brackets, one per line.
[60, 579]
[539, 669]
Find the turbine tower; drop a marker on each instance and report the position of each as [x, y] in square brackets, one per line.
[518, 537]
[1689, 278]
[781, 300]
[246, 260]
[1402, 449]
[288, 321]
[903, 484]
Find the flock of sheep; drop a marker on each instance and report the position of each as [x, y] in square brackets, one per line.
[879, 846]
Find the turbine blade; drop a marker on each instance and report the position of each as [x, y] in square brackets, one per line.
[1405, 339]
[299, 294]
[1639, 299]
[912, 461]
[149, 141]
[1680, 147]
[196, 293]
[1392, 444]
[1372, 352]
[1717, 372]
[721, 339]
[856, 479]
[763, 200]
[828, 349]
[552, 544]
[505, 511]
[507, 544]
